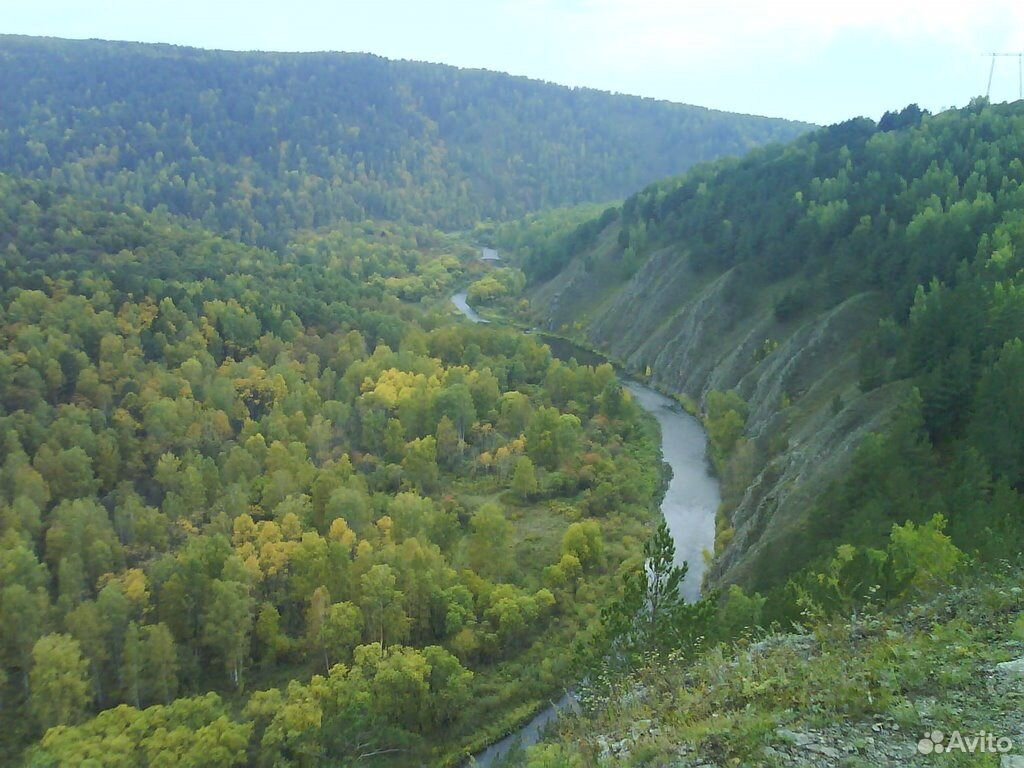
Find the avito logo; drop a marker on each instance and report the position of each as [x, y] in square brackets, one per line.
[936, 742]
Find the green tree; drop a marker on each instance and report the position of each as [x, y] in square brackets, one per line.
[342, 628]
[82, 529]
[515, 412]
[449, 686]
[739, 612]
[612, 400]
[59, 681]
[316, 617]
[584, 541]
[922, 558]
[382, 604]
[131, 665]
[998, 420]
[524, 478]
[67, 472]
[191, 732]
[456, 402]
[726, 419]
[420, 464]
[24, 615]
[269, 636]
[515, 614]
[228, 625]
[88, 626]
[398, 681]
[490, 541]
[159, 673]
[652, 615]
[448, 446]
[551, 437]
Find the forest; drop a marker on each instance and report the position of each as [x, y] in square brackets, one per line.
[278, 508]
[259, 145]
[263, 500]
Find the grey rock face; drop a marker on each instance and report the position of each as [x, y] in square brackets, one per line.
[688, 329]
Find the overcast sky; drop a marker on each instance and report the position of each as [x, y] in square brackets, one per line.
[814, 60]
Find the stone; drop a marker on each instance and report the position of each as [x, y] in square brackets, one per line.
[825, 750]
[1013, 668]
[639, 728]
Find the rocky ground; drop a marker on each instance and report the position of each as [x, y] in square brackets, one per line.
[859, 693]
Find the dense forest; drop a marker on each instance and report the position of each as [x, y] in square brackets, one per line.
[259, 144]
[278, 508]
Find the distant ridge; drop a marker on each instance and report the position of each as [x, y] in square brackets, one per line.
[259, 144]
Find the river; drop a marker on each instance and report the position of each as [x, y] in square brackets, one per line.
[692, 497]
[689, 506]
[460, 301]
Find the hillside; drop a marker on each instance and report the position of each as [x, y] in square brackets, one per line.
[846, 311]
[880, 689]
[847, 314]
[259, 144]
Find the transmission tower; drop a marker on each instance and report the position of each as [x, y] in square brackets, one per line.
[1020, 71]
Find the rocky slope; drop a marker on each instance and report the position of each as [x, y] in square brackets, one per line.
[808, 280]
[686, 329]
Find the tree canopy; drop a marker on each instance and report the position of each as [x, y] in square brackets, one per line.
[226, 468]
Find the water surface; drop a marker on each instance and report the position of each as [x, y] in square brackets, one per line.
[692, 497]
[459, 300]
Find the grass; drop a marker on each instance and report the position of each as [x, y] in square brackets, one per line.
[866, 687]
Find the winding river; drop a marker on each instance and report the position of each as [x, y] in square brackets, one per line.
[460, 300]
[689, 507]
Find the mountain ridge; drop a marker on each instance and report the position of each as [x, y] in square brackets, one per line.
[257, 145]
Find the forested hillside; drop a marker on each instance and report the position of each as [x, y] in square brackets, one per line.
[256, 145]
[276, 507]
[846, 310]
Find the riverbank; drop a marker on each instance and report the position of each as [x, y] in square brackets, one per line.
[575, 346]
[693, 483]
[461, 302]
[689, 503]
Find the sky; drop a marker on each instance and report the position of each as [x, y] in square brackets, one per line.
[812, 60]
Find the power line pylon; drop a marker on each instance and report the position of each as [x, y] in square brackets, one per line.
[1020, 72]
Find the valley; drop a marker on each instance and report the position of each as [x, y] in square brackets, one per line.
[816, 328]
[723, 434]
[840, 325]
